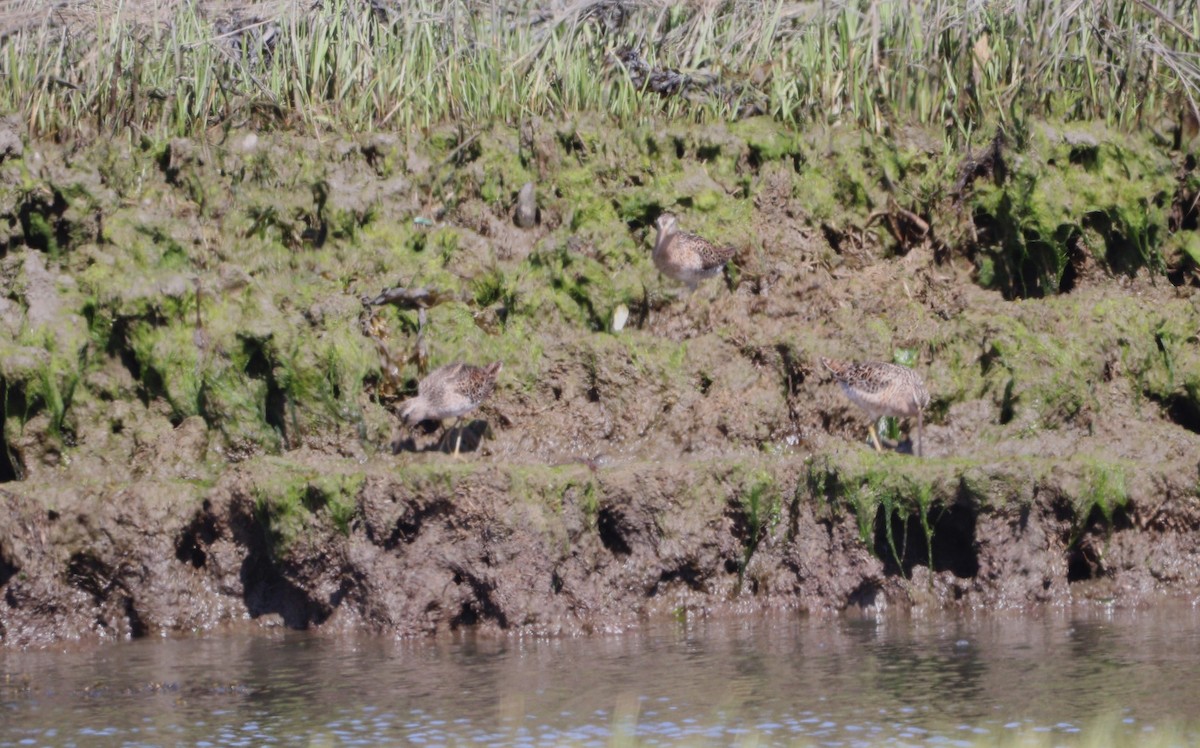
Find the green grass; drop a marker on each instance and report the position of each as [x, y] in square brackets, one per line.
[341, 65]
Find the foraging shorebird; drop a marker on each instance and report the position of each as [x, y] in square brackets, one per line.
[883, 390]
[450, 391]
[686, 257]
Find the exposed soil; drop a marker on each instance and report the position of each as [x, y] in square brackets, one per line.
[208, 435]
[436, 553]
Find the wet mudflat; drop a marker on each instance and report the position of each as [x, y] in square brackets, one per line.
[1057, 676]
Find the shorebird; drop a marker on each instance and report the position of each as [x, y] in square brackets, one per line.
[450, 391]
[883, 390]
[686, 257]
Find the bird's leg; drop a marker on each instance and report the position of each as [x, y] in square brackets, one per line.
[394, 440]
[487, 429]
[920, 429]
[458, 441]
[445, 435]
[687, 304]
[710, 300]
[874, 437]
[645, 315]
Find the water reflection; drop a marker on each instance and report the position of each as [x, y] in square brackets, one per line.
[782, 680]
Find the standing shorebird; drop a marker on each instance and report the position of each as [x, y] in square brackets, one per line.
[686, 257]
[450, 391]
[883, 390]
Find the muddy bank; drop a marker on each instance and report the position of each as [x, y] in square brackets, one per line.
[569, 549]
[198, 407]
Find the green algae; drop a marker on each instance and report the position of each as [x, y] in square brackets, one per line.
[45, 367]
[581, 288]
[818, 193]
[499, 172]
[761, 507]
[1043, 364]
[766, 139]
[1106, 491]
[560, 501]
[279, 357]
[290, 499]
[881, 490]
[1085, 187]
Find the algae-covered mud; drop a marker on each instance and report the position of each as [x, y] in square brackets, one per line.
[199, 399]
[200, 422]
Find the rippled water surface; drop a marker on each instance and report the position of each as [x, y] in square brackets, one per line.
[761, 681]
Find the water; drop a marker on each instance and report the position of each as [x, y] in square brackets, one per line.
[780, 680]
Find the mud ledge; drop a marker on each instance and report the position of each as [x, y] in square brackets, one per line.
[439, 546]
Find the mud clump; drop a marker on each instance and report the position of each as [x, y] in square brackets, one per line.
[11, 145]
[525, 214]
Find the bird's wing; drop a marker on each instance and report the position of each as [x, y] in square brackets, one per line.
[711, 256]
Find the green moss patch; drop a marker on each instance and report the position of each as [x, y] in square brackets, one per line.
[290, 499]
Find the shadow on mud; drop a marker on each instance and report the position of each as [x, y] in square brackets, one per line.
[472, 436]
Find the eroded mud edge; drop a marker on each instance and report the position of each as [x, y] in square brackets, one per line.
[570, 549]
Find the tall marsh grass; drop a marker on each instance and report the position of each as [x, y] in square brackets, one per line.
[184, 67]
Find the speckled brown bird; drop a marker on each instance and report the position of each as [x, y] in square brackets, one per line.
[450, 391]
[686, 257]
[883, 389]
